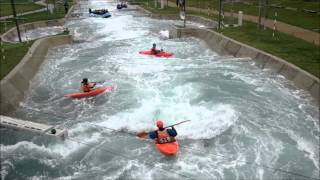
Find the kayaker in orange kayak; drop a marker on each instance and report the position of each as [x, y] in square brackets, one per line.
[154, 49]
[162, 135]
[86, 86]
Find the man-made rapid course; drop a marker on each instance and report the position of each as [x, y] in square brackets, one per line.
[245, 123]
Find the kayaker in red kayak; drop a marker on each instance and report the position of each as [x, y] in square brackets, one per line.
[162, 135]
[86, 86]
[154, 50]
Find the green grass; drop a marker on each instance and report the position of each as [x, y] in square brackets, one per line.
[297, 18]
[294, 50]
[299, 4]
[175, 11]
[58, 13]
[31, 18]
[166, 10]
[14, 52]
[21, 6]
[303, 19]
[12, 55]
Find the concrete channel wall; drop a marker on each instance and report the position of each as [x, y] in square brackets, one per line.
[226, 46]
[10, 35]
[189, 18]
[15, 85]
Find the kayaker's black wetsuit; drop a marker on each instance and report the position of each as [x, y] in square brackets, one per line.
[155, 51]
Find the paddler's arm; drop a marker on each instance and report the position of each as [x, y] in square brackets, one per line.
[153, 134]
[172, 132]
[92, 85]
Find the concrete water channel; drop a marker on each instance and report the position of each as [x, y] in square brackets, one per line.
[245, 123]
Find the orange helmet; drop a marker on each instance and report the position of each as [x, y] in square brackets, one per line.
[159, 124]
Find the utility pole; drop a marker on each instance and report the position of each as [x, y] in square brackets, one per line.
[265, 13]
[220, 10]
[54, 5]
[232, 16]
[184, 10]
[15, 18]
[260, 14]
[47, 6]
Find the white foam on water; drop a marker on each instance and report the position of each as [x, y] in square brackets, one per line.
[23, 150]
[39, 32]
[161, 90]
[310, 149]
[6, 165]
[204, 166]
[164, 34]
[243, 77]
[141, 69]
[143, 173]
[206, 122]
[22, 146]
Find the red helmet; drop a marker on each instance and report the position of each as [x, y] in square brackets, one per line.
[159, 124]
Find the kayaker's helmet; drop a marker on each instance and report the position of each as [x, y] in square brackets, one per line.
[85, 80]
[154, 44]
[159, 124]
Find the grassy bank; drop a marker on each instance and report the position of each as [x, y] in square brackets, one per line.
[296, 51]
[14, 52]
[21, 6]
[175, 11]
[40, 16]
[12, 55]
[296, 15]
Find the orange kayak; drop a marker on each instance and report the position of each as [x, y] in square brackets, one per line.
[168, 149]
[93, 92]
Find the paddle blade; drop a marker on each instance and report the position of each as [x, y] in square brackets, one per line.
[142, 134]
[99, 82]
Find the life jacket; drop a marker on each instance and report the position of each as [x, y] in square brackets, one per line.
[164, 137]
[86, 87]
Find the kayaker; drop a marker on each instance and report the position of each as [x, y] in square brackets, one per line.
[86, 86]
[154, 49]
[163, 135]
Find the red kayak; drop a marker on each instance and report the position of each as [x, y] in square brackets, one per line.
[168, 149]
[94, 92]
[160, 54]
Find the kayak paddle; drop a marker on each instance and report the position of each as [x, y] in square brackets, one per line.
[99, 82]
[143, 134]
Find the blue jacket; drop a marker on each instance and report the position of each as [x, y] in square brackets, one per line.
[172, 132]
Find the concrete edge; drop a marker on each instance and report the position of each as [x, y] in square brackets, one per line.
[226, 46]
[15, 85]
[192, 18]
[10, 34]
[7, 36]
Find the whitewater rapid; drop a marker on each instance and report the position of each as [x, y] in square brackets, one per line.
[245, 122]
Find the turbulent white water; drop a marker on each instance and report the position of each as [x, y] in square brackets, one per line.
[39, 32]
[245, 123]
